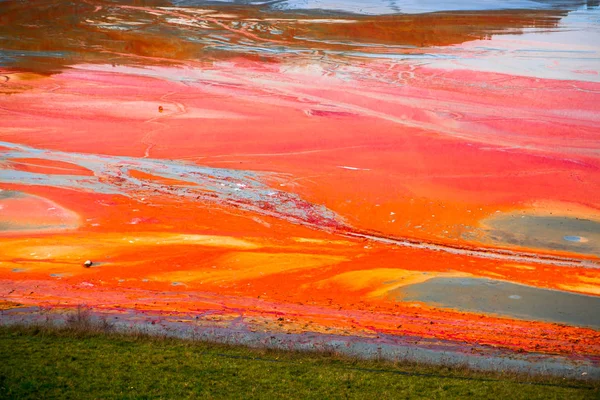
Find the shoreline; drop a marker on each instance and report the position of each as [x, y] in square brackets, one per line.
[391, 348]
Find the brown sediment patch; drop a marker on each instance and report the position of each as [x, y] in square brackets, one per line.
[22, 76]
[166, 35]
[424, 30]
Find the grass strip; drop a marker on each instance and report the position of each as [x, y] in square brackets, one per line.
[79, 362]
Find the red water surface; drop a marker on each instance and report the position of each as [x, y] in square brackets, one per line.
[397, 151]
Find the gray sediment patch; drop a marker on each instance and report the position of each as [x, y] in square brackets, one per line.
[505, 299]
[556, 233]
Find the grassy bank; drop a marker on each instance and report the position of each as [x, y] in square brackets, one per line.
[86, 362]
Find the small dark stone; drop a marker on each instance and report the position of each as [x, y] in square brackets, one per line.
[87, 264]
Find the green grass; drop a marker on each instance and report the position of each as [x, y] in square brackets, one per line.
[80, 363]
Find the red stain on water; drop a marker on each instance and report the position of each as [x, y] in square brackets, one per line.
[47, 167]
